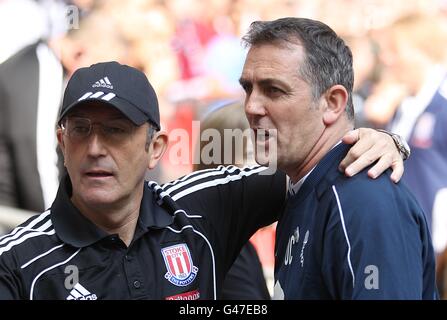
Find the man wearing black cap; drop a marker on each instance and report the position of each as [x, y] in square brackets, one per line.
[106, 170]
[109, 235]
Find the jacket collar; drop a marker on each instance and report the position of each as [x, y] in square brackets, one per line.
[322, 171]
[73, 228]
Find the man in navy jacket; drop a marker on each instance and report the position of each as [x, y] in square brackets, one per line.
[338, 238]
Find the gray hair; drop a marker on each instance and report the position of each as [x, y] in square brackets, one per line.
[328, 59]
[150, 134]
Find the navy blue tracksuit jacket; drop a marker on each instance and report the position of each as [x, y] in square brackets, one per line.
[353, 238]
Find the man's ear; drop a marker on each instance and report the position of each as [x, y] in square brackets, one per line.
[60, 140]
[336, 99]
[157, 148]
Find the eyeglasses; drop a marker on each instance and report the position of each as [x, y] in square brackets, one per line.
[114, 131]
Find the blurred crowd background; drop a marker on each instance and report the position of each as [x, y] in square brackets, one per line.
[192, 54]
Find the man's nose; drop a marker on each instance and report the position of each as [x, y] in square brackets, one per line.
[96, 145]
[254, 105]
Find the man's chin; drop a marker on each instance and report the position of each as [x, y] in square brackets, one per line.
[95, 197]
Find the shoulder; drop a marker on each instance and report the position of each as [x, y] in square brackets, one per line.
[365, 202]
[361, 188]
[29, 239]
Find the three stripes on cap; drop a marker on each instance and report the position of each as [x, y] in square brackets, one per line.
[98, 94]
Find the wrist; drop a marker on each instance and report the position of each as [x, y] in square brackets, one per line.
[401, 144]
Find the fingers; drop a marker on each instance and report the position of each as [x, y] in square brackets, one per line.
[380, 167]
[357, 151]
[371, 146]
[391, 158]
[398, 171]
[385, 162]
[363, 159]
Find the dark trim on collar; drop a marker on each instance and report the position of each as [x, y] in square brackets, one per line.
[73, 228]
[152, 215]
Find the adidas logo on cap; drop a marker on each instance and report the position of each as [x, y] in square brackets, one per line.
[104, 82]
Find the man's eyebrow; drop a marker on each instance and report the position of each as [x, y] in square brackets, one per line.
[243, 81]
[272, 81]
[266, 82]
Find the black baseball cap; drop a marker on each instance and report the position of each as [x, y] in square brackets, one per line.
[117, 85]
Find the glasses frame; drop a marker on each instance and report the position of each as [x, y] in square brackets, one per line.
[110, 130]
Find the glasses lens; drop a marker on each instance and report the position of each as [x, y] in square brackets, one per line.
[115, 131]
[78, 128]
[117, 128]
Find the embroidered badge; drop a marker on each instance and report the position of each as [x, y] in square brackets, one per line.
[178, 261]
